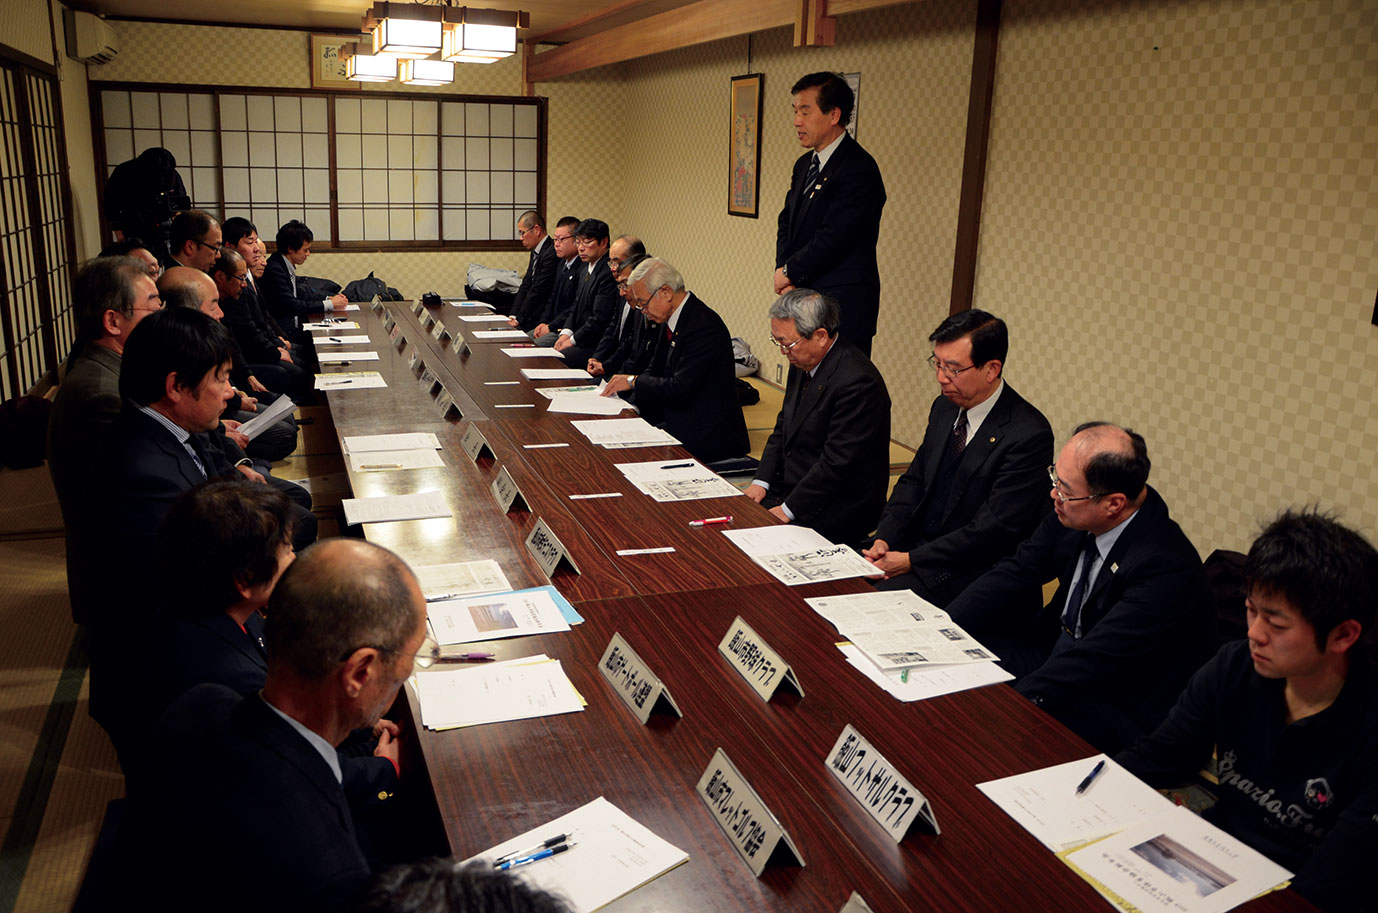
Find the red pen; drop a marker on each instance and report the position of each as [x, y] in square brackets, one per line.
[711, 521]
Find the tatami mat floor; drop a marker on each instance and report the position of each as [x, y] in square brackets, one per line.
[57, 768]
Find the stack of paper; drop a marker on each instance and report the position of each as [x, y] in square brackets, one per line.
[395, 507]
[344, 358]
[552, 392]
[620, 433]
[331, 323]
[357, 339]
[532, 352]
[613, 855]
[677, 480]
[518, 689]
[266, 416]
[900, 629]
[380, 452]
[923, 683]
[493, 335]
[446, 581]
[466, 303]
[469, 619]
[556, 374]
[588, 401]
[796, 555]
[350, 380]
[483, 318]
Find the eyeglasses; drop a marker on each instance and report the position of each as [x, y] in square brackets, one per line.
[561, 237]
[243, 278]
[522, 232]
[1060, 489]
[642, 305]
[786, 347]
[427, 656]
[586, 242]
[950, 372]
[214, 247]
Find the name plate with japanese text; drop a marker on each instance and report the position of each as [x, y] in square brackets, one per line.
[547, 549]
[855, 904]
[763, 668]
[751, 828]
[445, 403]
[475, 444]
[507, 493]
[887, 796]
[376, 304]
[640, 689]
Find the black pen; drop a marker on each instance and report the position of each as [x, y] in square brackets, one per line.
[1091, 777]
[557, 839]
[677, 466]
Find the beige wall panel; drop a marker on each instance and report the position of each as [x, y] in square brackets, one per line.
[26, 28]
[1181, 226]
[915, 65]
[81, 162]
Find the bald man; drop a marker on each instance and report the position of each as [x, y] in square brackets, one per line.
[1132, 616]
[260, 774]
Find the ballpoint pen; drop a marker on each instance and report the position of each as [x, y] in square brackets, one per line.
[465, 657]
[676, 465]
[544, 845]
[535, 857]
[711, 521]
[1091, 777]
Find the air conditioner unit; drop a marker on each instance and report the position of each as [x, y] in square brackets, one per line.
[89, 37]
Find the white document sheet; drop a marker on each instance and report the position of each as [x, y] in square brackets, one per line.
[552, 392]
[589, 403]
[615, 855]
[418, 506]
[925, 682]
[469, 619]
[466, 303]
[677, 480]
[1177, 862]
[338, 358]
[556, 373]
[532, 352]
[796, 555]
[266, 416]
[468, 578]
[350, 380]
[360, 339]
[494, 693]
[499, 334]
[1046, 804]
[900, 629]
[331, 325]
[624, 432]
[383, 460]
[412, 440]
[483, 318]
[347, 307]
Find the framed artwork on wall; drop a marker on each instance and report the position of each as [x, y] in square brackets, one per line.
[744, 156]
[327, 69]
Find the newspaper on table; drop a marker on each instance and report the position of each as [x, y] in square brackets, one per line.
[796, 555]
[615, 433]
[900, 629]
[677, 480]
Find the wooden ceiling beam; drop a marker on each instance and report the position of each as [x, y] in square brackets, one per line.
[697, 23]
[558, 34]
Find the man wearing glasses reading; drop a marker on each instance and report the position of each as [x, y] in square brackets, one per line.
[976, 488]
[194, 240]
[1132, 616]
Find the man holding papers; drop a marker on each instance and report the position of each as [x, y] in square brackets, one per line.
[690, 388]
[1292, 714]
[827, 463]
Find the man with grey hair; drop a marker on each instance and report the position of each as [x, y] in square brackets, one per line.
[111, 295]
[346, 626]
[628, 350]
[826, 465]
[690, 387]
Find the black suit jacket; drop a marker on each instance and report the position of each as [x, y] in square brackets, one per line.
[595, 305]
[280, 296]
[826, 233]
[691, 389]
[1146, 622]
[568, 276]
[828, 458]
[236, 778]
[531, 307]
[998, 494]
[245, 319]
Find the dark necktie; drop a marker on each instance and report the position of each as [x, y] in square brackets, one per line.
[812, 174]
[959, 434]
[1071, 616]
[202, 461]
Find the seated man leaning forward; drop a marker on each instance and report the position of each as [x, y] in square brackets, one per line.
[260, 774]
[827, 463]
[1132, 616]
[1292, 713]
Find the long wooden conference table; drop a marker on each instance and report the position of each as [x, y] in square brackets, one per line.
[493, 782]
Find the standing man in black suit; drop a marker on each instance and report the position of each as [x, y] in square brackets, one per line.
[977, 486]
[533, 295]
[279, 285]
[690, 388]
[826, 238]
[346, 626]
[567, 274]
[826, 465]
[1132, 616]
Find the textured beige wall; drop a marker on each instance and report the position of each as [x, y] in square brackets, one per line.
[81, 161]
[915, 65]
[1181, 225]
[26, 28]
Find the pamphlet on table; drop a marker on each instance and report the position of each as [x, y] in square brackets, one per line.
[900, 629]
[469, 619]
[472, 695]
[417, 506]
[446, 581]
[677, 480]
[797, 555]
[624, 432]
[350, 380]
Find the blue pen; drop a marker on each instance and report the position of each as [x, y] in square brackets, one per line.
[534, 857]
[1091, 777]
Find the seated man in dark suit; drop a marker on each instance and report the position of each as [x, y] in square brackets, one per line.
[595, 302]
[827, 463]
[194, 240]
[242, 235]
[533, 296]
[346, 626]
[632, 347]
[977, 486]
[280, 294]
[1132, 616]
[110, 296]
[690, 387]
[265, 361]
[1291, 713]
[567, 276]
[622, 251]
